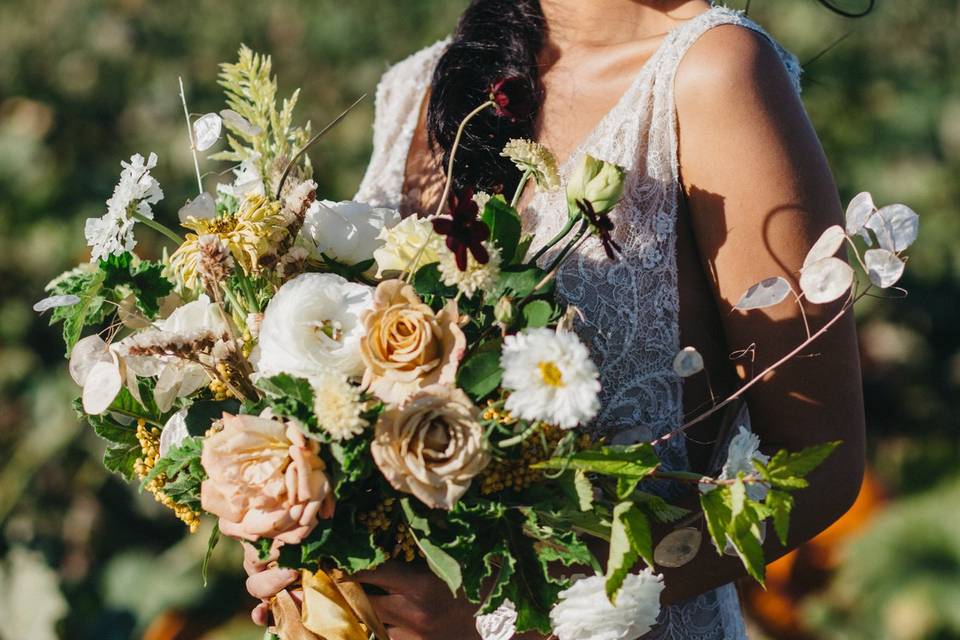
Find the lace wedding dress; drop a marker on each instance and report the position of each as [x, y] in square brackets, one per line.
[629, 307]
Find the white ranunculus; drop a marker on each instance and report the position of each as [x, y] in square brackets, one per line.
[313, 324]
[743, 450]
[410, 244]
[585, 613]
[348, 231]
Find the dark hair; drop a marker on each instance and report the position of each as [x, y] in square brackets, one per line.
[497, 39]
[494, 39]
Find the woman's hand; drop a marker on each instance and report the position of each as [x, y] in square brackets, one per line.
[418, 605]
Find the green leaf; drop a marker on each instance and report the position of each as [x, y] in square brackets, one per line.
[352, 463]
[584, 489]
[556, 544]
[659, 508]
[428, 282]
[480, 372]
[626, 487]
[90, 310]
[717, 512]
[417, 522]
[441, 563]
[743, 534]
[787, 470]
[531, 590]
[633, 461]
[211, 545]
[504, 224]
[342, 540]
[519, 281]
[144, 279]
[780, 504]
[106, 427]
[183, 470]
[537, 313]
[630, 539]
[286, 386]
[121, 460]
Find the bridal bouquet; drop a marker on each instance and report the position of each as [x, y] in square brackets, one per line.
[338, 386]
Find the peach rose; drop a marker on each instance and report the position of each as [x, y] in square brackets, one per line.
[407, 346]
[431, 446]
[265, 480]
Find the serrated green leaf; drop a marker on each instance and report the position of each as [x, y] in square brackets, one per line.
[743, 534]
[353, 463]
[625, 461]
[202, 413]
[780, 504]
[88, 311]
[121, 459]
[112, 431]
[480, 372]
[659, 508]
[504, 224]
[630, 540]
[286, 386]
[716, 505]
[787, 470]
[443, 565]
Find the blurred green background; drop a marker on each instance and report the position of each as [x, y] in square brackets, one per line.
[86, 83]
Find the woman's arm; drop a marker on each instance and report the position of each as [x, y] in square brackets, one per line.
[759, 193]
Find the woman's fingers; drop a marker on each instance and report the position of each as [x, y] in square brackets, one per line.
[392, 609]
[399, 633]
[268, 583]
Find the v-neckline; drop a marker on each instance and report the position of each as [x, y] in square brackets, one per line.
[587, 139]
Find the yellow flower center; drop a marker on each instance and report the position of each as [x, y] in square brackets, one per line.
[551, 374]
[330, 328]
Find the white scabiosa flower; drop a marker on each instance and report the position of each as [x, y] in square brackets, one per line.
[476, 277]
[536, 159]
[410, 244]
[311, 325]
[584, 612]
[336, 403]
[551, 377]
[135, 193]
[500, 624]
[743, 450]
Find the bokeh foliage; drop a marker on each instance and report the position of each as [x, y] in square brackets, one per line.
[86, 83]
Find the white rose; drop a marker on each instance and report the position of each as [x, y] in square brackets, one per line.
[313, 324]
[348, 232]
[584, 612]
[402, 242]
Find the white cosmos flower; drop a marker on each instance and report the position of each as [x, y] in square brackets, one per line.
[404, 242]
[136, 192]
[311, 325]
[551, 377]
[476, 277]
[336, 403]
[743, 450]
[584, 612]
[348, 232]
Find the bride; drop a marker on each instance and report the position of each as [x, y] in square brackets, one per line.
[727, 184]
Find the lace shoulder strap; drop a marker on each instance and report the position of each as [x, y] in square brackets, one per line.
[663, 127]
[397, 105]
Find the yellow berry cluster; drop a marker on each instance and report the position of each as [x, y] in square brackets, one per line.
[380, 522]
[515, 472]
[219, 387]
[149, 440]
[491, 413]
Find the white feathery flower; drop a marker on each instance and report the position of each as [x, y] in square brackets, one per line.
[409, 244]
[481, 198]
[551, 377]
[537, 159]
[476, 277]
[135, 193]
[743, 450]
[584, 612]
[337, 405]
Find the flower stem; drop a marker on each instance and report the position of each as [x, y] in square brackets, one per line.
[156, 226]
[520, 187]
[572, 220]
[453, 152]
[193, 145]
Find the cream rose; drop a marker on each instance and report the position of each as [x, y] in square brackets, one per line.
[432, 446]
[404, 242]
[265, 480]
[407, 346]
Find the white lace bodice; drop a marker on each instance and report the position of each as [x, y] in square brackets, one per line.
[630, 307]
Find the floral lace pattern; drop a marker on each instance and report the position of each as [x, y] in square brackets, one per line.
[630, 307]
